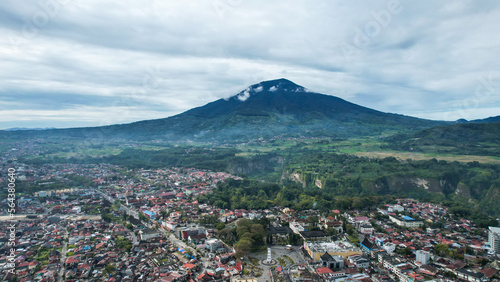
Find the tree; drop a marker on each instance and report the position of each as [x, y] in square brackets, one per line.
[123, 243]
[331, 232]
[269, 239]
[243, 247]
[143, 217]
[209, 220]
[109, 268]
[313, 220]
[163, 213]
[442, 250]
[404, 251]
[350, 229]
[293, 239]
[106, 217]
[258, 233]
[483, 262]
[227, 236]
[243, 226]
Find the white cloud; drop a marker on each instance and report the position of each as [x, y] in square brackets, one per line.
[244, 95]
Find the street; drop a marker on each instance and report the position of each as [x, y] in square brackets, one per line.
[63, 257]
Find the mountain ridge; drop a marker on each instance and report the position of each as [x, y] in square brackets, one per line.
[281, 107]
[268, 109]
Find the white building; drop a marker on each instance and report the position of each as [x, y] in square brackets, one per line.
[389, 247]
[406, 221]
[366, 229]
[76, 209]
[399, 269]
[296, 227]
[147, 234]
[213, 244]
[396, 208]
[358, 261]
[422, 256]
[170, 225]
[494, 239]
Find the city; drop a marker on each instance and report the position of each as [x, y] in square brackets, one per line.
[147, 225]
[249, 141]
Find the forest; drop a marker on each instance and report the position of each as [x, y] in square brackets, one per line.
[324, 176]
[252, 194]
[428, 180]
[479, 139]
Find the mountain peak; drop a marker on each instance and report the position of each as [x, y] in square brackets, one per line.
[282, 84]
[271, 86]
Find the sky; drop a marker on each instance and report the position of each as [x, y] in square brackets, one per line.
[68, 63]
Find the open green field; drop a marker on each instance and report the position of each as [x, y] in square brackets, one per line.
[373, 147]
[423, 156]
[363, 147]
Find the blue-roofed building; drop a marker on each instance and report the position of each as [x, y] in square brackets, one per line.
[150, 214]
[406, 221]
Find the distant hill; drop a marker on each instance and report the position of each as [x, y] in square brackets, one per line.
[487, 120]
[475, 138]
[25, 128]
[264, 110]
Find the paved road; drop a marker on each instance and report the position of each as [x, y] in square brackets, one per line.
[134, 238]
[122, 207]
[167, 234]
[175, 240]
[279, 251]
[136, 215]
[63, 256]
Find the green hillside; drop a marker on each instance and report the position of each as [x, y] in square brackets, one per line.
[269, 110]
[462, 139]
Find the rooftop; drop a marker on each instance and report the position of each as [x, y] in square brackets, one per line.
[405, 217]
[330, 246]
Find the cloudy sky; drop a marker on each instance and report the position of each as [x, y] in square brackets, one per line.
[68, 63]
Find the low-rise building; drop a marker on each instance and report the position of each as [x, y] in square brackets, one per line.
[296, 227]
[213, 244]
[319, 236]
[332, 262]
[357, 261]
[147, 234]
[341, 248]
[406, 221]
[422, 256]
[389, 247]
[396, 208]
[468, 275]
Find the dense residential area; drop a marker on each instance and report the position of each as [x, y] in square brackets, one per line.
[107, 223]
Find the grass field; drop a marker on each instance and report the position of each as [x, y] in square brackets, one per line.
[423, 156]
[363, 147]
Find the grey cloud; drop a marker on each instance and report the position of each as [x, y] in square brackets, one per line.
[426, 60]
